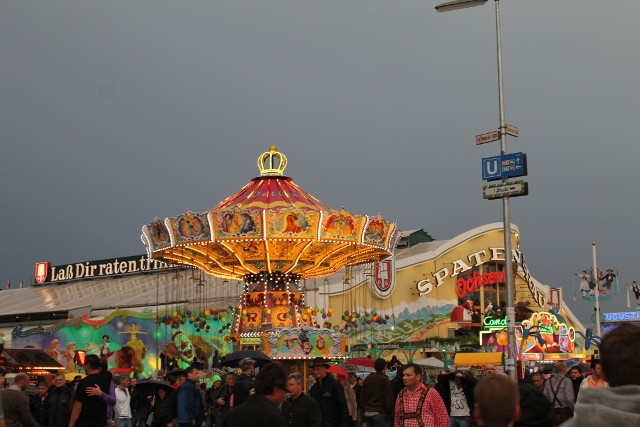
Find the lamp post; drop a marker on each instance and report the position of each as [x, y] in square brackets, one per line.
[511, 364]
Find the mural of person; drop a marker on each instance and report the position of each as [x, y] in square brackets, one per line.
[289, 343]
[463, 312]
[128, 358]
[134, 342]
[608, 280]
[636, 292]
[71, 356]
[203, 350]
[105, 349]
[305, 345]
[186, 351]
[585, 287]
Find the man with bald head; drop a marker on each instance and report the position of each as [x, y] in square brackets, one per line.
[16, 404]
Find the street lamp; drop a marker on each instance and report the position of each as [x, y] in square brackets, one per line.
[511, 317]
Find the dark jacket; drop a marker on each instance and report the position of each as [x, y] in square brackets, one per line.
[376, 394]
[210, 398]
[330, 396]
[225, 393]
[443, 387]
[535, 409]
[257, 411]
[244, 384]
[576, 386]
[39, 409]
[16, 409]
[189, 404]
[165, 409]
[301, 412]
[60, 401]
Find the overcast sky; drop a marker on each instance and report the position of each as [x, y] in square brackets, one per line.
[115, 112]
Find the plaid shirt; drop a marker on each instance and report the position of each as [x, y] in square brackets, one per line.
[434, 413]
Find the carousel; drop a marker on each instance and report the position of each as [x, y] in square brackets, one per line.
[271, 235]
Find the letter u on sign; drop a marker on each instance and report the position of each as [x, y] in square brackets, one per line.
[491, 168]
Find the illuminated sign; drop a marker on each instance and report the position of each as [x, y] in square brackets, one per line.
[490, 322]
[45, 273]
[473, 283]
[618, 317]
[476, 259]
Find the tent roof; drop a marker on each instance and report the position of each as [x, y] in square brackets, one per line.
[477, 359]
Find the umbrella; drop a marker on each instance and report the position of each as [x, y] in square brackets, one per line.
[335, 369]
[151, 387]
[362, 361]
[430, 362]
[233, 359]
[348, 368]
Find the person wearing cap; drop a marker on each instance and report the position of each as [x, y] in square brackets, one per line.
[329, 394]
[212, 409]
[261, 408]
[245, 380]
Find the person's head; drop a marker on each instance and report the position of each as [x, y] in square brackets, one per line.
[271, 382]
[618, 352]
[194, 373]
[123, 382]
[295, 384]
[538, 380]
[342, 379]
[217, 381]
[596, 368]
[105, 338]
[311, 378]
[497, 401]
[247, 366]
[412, 376]
[230, 379]
[59, 380]
[560, 368]
[21, 380]
[457, 378]
[133, 381]
[353, 378]
[43, 388]
[575, 373]
[380, 365]
[162, 393]
[181, 379]
[490, 369]
[92, 364]
[319, 368]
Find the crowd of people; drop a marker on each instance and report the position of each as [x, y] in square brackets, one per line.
[274, 398]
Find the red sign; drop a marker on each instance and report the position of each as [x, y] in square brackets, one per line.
[473, 283]
[42, 269]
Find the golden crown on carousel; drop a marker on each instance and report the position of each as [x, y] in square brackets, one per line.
[270, 226]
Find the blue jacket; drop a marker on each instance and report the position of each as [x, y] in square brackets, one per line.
[189, 404]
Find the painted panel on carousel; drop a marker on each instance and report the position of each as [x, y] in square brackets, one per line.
[129, 340]
[375, 232]
[190, 227]
[304, 342]
[158, 234]
[342, 226]
[251, 320]
[238, 223]
[292, 223]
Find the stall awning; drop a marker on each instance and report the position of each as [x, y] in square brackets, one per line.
[477, 359]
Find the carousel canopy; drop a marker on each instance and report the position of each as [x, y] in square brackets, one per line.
[270, 225]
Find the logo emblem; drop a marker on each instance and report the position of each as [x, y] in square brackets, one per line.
[42, 269]
[384, 277]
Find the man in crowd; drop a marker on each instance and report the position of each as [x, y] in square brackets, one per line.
[122, 408]
[60, 402]
[245, 380]
[229, 394]
[376, 396]
[39, 404]
[619, 404]
[537, 379]
[594, 380]
[456, 390]
[416, 405]
[16, 405]
[575, 374]
[140, 404]
[189, 402]
[261, 409]
[329, 395]
[489, 369]
[497, 401]
[299, 410]
[89, 410]
[559, 392]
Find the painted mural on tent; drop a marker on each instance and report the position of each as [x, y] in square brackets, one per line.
[141, 342]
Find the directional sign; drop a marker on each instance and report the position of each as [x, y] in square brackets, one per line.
[511, 130]
[487, 137]
[507, 189]
[491, 169]
[512, 165]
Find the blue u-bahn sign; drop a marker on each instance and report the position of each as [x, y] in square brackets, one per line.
[506, 166]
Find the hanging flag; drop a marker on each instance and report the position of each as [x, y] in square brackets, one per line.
[8, 284]
[628, 298]
[21, 285]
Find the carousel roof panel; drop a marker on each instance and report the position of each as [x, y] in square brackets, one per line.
[271, 192]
